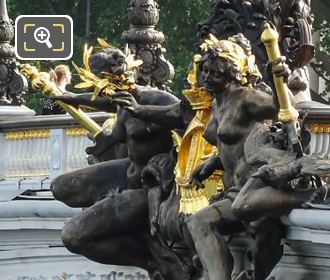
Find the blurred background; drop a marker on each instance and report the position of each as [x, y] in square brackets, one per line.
[178, 21]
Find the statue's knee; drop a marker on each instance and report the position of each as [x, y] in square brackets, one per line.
[58, 188]
[197, 223]
[67, 188]
[241, 209]
[70, 238]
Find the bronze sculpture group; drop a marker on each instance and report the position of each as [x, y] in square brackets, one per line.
[226, 158]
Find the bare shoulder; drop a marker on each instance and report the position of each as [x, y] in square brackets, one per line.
[256, 94]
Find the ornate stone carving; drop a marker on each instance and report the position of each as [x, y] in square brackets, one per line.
[145, 42]
[13, 85]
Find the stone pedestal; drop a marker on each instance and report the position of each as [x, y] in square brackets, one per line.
[13, 85]
[31, 246]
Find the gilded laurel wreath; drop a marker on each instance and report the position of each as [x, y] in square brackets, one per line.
[109, 83]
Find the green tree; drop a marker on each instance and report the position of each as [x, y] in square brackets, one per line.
[178, 21]
[323, 56]
[321, 10]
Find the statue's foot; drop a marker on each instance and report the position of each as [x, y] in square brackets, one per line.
[157, 276]
[245, 275]
[173, 271]
[197, 263]
[4, 100]
[320, 198]
[321, 194]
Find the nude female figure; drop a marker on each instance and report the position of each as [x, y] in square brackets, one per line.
[114, 229]
[238, 113]
[245, 144]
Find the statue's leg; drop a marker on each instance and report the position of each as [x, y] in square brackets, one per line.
[108, 232]
[268, 249]
[256, 201]
[206, 228]
[83, 187]
[170, 264]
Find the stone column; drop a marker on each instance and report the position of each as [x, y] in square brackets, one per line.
[145, 42]
[13, 85]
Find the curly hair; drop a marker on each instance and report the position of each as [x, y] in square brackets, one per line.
[102, 61]
[231, 71]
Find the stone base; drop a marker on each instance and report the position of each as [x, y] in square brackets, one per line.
[14, 112]
[31, 246]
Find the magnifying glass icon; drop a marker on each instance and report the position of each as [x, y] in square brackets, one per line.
[42, 35]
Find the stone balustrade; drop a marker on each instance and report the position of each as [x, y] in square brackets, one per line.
[37, 149]
[318, 124]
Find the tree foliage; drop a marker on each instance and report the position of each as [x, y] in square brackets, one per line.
[321, 10]
[324, 46]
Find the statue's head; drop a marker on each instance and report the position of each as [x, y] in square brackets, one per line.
[227, 61]
[110, 60]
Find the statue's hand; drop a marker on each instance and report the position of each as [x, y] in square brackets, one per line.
[197, 177]
[204, 171]
[102, 144]
[127, 101]
[280, 68]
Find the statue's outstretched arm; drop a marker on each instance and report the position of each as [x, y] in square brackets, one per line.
[169, 116]
[84, 99]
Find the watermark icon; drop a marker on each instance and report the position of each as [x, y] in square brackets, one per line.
[44, 37]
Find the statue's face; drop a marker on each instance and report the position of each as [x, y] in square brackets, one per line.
[213, 74]
[108, 60]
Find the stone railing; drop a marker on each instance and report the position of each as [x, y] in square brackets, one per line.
[37, 149]
[34, 151]
[318, 124]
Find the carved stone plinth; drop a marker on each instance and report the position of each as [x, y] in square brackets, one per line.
[145, 42]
